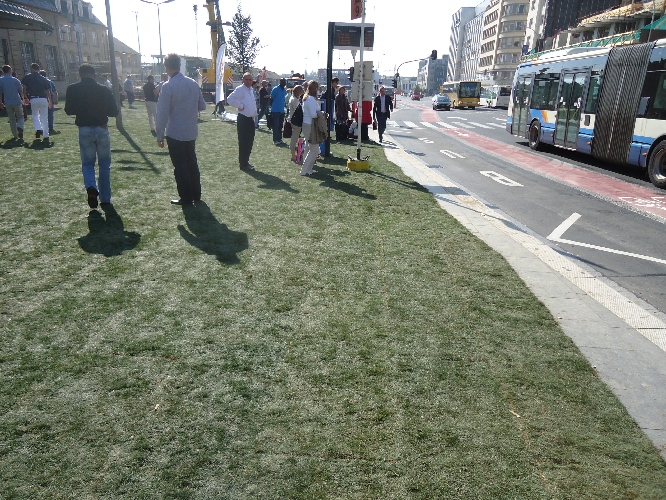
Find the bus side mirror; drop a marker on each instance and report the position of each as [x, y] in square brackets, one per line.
[643, 106]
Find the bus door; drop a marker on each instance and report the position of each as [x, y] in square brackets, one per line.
[521, 105]
[569, 107]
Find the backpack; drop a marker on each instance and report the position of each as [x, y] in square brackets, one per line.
[297, 117]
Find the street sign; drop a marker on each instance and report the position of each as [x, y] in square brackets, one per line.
[347, 36]
[356, 9]
[367, 90]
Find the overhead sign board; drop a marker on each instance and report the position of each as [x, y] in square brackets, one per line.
[356, 9]
[347, 36]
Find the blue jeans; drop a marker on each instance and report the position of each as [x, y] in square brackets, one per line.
[95, 144]
[278, 121]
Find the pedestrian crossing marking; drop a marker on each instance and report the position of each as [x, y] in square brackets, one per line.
[499, 125]
[463, 125]
[446, 125]
[412, 125]
[480, 125]
[429, 125]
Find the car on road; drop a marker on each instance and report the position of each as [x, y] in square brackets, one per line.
[416, 96]
[441, 102]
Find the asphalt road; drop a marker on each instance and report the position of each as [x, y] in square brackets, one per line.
[608, 216]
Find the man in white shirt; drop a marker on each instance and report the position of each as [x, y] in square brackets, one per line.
[242, 98]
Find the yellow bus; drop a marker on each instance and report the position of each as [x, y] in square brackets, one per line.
[462, 94]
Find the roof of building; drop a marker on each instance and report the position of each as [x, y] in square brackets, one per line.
[119, 46]
[50, 6]
[13, 16]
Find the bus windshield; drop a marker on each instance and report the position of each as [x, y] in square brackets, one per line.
[470, 89]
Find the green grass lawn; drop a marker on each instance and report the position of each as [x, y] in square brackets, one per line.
[339, 337]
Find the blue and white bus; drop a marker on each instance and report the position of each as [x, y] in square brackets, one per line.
[607, 102]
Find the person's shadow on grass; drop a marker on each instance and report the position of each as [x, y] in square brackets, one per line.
[271, 181]
[206, 233]
[107, 236]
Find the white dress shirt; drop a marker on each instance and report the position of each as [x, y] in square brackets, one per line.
[242, 98]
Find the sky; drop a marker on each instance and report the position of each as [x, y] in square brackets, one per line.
[293, 37]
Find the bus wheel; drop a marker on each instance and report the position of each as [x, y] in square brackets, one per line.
[535, 136]
[657, 165]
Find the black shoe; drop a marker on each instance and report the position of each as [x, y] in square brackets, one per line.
[181, 203]
[92, 197]
[20, 133]
[52, 131]
[38, 134]
[154, 133]
[46, 141]
[247, 168]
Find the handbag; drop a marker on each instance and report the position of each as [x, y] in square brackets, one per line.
[374, 124]
[286, 133]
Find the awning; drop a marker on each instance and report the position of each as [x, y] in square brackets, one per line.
[14, 17]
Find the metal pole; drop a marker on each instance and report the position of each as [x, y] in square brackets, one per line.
[159, 30]
[360, 91]
[114, 70]
[136, 18]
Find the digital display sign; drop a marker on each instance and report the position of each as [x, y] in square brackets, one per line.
[348, 36]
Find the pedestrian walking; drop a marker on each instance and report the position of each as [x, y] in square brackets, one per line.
[54, 100]
[178, 109]
[295, 117]
[381, 110]
[278, 98]
[11, 94]
[128, 87]
[243, 100]
[264, 98]
[151, 102]
[93, 103]
[310, 108]
[342, 109]
[37, 91]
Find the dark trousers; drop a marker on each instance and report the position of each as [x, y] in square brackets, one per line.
[278, 121]
[263, 111]
[246, 130]
[186, 169]
[381, 123]
[130, 98]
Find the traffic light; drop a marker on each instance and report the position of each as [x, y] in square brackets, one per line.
[433, 56]
[395, 83]
[351, 74]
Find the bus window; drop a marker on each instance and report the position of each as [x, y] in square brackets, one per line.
[593, 94]
[545, 91]
[470, 89]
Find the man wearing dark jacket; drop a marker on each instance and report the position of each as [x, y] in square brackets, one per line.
[381, 110]
[93, 103]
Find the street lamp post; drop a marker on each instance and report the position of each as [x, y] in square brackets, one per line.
[159, 28]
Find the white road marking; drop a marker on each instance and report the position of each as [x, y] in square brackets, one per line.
[446, 125]
[474, 123]
[390, 122]
[426, 140]
[456, 117]
[556, 235]
[500, 178]
[499, 125]
[463, 125]
[451, 154]
[412, 125]
[500, 119]
[429, 125]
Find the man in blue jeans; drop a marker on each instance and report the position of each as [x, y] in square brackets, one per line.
[93, 103]
[278, 97]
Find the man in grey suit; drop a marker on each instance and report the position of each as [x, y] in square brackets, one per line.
[177, 113]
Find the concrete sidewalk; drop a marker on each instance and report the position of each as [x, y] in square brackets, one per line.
[623, 337]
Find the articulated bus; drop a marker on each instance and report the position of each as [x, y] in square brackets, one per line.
[462, 94]
[607, 102]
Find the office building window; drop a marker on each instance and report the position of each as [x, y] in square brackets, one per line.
[27, 55]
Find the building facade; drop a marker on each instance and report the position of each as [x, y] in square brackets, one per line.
[78, 37]
[471, 45]
[502, 40]
[432, 74]
[457, 40]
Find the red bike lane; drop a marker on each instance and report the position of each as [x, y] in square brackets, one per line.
[623, 193]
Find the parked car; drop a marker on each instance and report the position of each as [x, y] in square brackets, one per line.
[441, 102]
[416, 96]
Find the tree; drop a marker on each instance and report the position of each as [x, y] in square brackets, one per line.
[243, 46]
